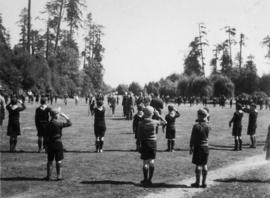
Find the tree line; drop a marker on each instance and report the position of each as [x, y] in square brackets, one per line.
[229, 77]
[49, 60]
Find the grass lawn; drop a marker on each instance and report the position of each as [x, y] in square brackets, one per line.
[116, 172]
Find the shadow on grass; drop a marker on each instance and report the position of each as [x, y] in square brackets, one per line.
[21, 179]
[19, 151]
[117, 118]
[154, 185]
[231, 180]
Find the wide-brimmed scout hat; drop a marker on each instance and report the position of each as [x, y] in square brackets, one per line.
[202, 113]
[148, 111]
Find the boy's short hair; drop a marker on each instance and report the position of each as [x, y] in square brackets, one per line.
[99, 103]
[13, 100]
[170, 108]
[140, 107]
[43, 100]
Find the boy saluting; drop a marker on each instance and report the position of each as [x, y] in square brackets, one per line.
[55, 149]
[148, 139]
[252, 123]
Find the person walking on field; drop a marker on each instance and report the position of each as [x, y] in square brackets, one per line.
[55, 150]
[252, 123]
[148, 140]
[41, 120]
[267, 144]
[170, 127]
[13, 130]
[237, 127]
[199, 147]
[99, 125]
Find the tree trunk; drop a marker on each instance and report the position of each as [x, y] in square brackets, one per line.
[58, 25]
[29, 26]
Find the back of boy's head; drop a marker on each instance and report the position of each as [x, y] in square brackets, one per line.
[43, 100]
[140, 107]
[99, 103]
[170, 108]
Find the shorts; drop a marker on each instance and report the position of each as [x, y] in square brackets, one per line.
[251, 130]
[200, 155]
[237, 131]
[41, 130]
[55, 151]
[99, 131]
[170, 133]
[148, 149]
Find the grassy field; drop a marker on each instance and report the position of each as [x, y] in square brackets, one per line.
[116, 172]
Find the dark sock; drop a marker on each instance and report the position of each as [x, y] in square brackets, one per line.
[198, 175]
[101, 144]
[240, 144]
[59, 170]
[204, 175]
[14, 144]
[235, 145]
[10, 144]
[169, 145]
[254, 141]
[151, 172]
[97, 145]
[172, 144]
[39, 144]
[145, 173]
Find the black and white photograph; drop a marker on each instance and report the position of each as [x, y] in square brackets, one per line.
[134, 98]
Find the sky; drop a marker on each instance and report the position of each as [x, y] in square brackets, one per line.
[146, 40]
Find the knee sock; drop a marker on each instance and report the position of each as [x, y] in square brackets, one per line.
[240, 144]
[49, 170]
[235, 144]
[59, 170]
[145, 172]
[97, 145]
[39, 143]
[101, 144]
[198, 175]
[151, 171]
[172, 145]
[204, 175]
[169, 145]
[251, 140]
[11, 145]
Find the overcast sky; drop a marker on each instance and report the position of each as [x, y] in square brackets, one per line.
[146, 40]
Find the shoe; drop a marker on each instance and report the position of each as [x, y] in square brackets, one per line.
[101, 151]
[195, 185]
[144, 182]
[203, 185]
[47, 178]
[149, 183]
[59, 179]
